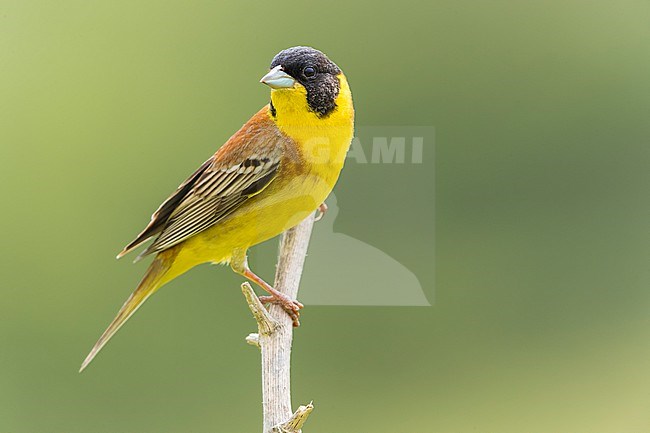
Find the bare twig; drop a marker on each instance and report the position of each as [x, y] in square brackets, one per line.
[276, 334]
[265, 322]
[294, 424]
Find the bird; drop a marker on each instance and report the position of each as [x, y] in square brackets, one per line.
[275, 171]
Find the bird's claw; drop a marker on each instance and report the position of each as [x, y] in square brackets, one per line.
[291, 306]
[321, 212]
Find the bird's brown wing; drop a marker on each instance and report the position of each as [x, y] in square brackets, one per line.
[240, 169]
[218, 192]
[162, 214]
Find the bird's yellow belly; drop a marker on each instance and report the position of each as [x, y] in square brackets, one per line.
[279, 207]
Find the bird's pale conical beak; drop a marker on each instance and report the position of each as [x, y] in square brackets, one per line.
[278, 79]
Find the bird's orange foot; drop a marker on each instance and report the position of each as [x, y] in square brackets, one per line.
[291, 306]
[322, 209]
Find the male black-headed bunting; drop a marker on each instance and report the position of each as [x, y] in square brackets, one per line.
[270, 175]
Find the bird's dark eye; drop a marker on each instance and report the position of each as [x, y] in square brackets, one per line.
[309, 71]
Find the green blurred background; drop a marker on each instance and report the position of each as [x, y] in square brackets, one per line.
[540, 293]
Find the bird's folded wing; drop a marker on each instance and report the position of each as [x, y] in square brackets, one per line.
[214, 196]
[161, 215]
[242, 168]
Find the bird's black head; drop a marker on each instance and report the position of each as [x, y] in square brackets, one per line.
[315, 72]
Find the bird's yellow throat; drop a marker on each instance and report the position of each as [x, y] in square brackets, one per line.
[325, 138]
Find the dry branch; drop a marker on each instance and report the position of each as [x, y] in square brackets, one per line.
[275, 334]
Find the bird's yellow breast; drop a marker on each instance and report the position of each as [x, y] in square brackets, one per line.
[322, 141]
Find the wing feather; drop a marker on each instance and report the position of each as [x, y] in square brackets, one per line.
[241, 168]
[202, 208]
[162, 214]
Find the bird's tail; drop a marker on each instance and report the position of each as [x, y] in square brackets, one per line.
[154, 278]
